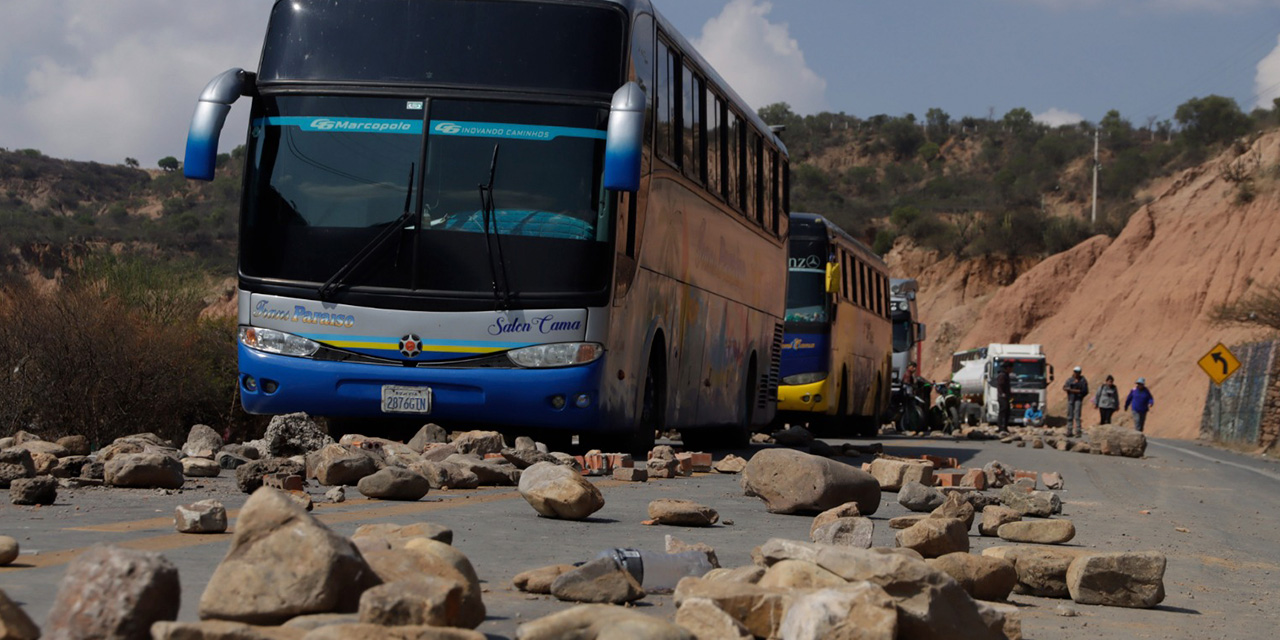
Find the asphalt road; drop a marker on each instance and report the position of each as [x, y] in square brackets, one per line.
[1221, 581]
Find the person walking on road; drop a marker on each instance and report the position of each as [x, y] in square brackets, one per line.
[1004, 394]
[1077, 388]
[1140, 401]
[1107, 400]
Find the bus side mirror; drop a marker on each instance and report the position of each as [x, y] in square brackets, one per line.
[919, 332]
[206, 124]
[833, 278]
[625, 142]
[1050, 373]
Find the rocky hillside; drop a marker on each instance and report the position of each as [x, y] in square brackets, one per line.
[1134, 306]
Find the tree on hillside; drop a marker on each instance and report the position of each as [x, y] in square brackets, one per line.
[168, 163]
[938, 123]
[1211, 119]
[132, 163]
[903, 136]
[1019, 120]
[1117, 131]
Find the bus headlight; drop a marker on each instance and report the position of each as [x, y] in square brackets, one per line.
[564, 354]
[804, 378]
[272, 341]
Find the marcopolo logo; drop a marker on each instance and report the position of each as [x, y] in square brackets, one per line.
[375, 126]
[448, 128]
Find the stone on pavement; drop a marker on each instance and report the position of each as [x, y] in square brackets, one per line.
[1053, 480]
[796, 436]
[759, 609]
[846, 510]
[423, 601]
[906, 522]
[539, 580]
[446, 475]
[601, 580]
[284, 563]
[1042, 571]
[421, 556]
[893, 474]
[1038, 531]
[919, 498]
[42, 490]
[845, 532]
[1134, 580]
[394, 483]
[1040, 504]
[337, 465]
[202, 442]
[8, 550]
[557, 491]
[488, 472]
[77, 445]
[362, 631]
[222, 630]
[607, 622]
[730, 464]
[974, 479]
[249, 475]
[200, 468]
[673, 544]
[682, 513]
[994, 516]
[112, 592]
[48, 448]
[998, 475]
[955, 506]
[430, 433]
[934, 537]
[205, 516]
[798, 574]
[399, 535]
[631, 474]
[793, 482]
[293, 434]
[143, 471]
[860, 610]
[479, 442]
[702, 618]
[982, 577]
[15, 624]
[15, 464]
[1117, 441]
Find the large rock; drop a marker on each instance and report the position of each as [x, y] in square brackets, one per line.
[682, 513]
[798, 574]
[386, 452]
[398, 535]
[1038, 531]
[793, 482]
[606, 622]
[41, 490]
[200, 468]
[205, 516]
[982, 577]
[919, 498]
[759, 609]
[284, 563]
[337, 465]
[525, 458]
[110, 592]
[703, 619]
[14, 622]
[249, 475]
[363, 631]
[1117, 441]
[293, 434]
[602, 580]
[490, 474]
[394, 483]
[846, 510]
[420, 557]
[893, 474]
[222, 630]
[1133, 580]
[730, 464]
[557, 491]
[49, 448]
[845, 532]
[479, 443]
[860, 610]
[14, 464]
[202, 442]
[446, 475]
[45, 463]
[429, 434]
[994, 516]
[933, 537]
[143, 471]
[424, 600]
[539, 580]
[998, 475]
[1040, 504]
[1042, 571]
[8, 550]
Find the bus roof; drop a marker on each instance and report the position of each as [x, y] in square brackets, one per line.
[801, 220]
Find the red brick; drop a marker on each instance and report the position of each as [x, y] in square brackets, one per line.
[686, 463]
[283, 482]
[975, 478]
[620, 460]
[701, 462]
[940, 462]
[631, 474]
[949, 478]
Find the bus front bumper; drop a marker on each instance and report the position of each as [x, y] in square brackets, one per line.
[509, 397]
[809, 398]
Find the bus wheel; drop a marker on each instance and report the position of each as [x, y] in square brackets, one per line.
[652, 419]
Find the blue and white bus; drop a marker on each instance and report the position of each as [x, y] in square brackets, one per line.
[837, 352]
[545, 215]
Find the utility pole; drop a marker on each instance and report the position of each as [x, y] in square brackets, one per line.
[1094, 217]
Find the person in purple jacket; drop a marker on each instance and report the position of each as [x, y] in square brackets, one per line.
[1140, 401]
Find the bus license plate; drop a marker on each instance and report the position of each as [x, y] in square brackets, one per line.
[398, 399]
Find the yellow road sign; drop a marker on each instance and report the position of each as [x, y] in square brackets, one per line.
[1219, 363]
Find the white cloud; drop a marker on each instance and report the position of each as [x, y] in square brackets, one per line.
[1056, 117]
[760, 59]
[93, 80]
[1266, 82]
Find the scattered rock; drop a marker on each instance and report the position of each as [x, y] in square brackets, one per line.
[525, 443]
[249, 475]
[994, 516]
[479, 442]
[933, 537]
[919, 498]
[761, 438]
[795, 436]
[730, 464]
[488, 473]
[893, 474]
[338, 465]
[662, 452]
[1117, 441]
[111, 592]
[631, 474]
[93, 471]
[76, 445]
[205, 516]
[600, 581]
[8, 550]
[1038, 531]
[956, 506]
[293, 434]
[394, 483]
[429, 434]
[438, 452]
[703, 619]
[525, 458]
[793, 482]
[662, 468]
[230, 461]
[759, 609]
[682, 513]
[676, 545]
[982, 577]
[284, 563]
[846, 510]
[997, 474]
[336, 495]
[424, 600]
[906, 522]
[1042, 571]
[362, 631]
[556, 491]
[44, 463]
[41, 490]
[589, 622]
[202, 442]
[1052, 481]
[221, 630]
[446, 475]
[49, 448]
[1065, 611]
[421, 556]
[14, 464]
[845, 532]
[14, 622]
[974, 479]
[200, 468]
[1040, 504]
[1133, 580]
[399, 535]
[539, 580]
[750, 574]
[1082, 447]
[143, 471]
[798, 574]
[861, 610]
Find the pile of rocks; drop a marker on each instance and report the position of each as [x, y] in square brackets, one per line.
[1108, 440]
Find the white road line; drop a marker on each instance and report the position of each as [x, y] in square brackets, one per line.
[1269, 474]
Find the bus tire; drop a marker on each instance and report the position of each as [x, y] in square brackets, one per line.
[651, 420]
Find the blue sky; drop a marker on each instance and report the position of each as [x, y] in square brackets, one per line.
[105, 79]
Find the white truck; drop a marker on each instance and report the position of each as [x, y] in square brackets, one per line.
[975, 372]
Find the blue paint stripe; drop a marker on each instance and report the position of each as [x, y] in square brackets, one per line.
[440, 343]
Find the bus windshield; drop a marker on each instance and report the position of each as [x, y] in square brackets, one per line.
[327, 174]
[901, 335]
[490, 43]
[806, 283]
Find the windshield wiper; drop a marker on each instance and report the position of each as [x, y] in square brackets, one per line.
[497, 272]
[371, 249]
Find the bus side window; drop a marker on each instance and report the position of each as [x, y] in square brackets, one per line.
[786, 193]
[865, 300]
[691, 123]
[733, 186]
[879, 295]
[775, 213]
[667, 132]
[750, 204]
[766, 188]
[715, 143]
[885, 299]
[844, 269]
